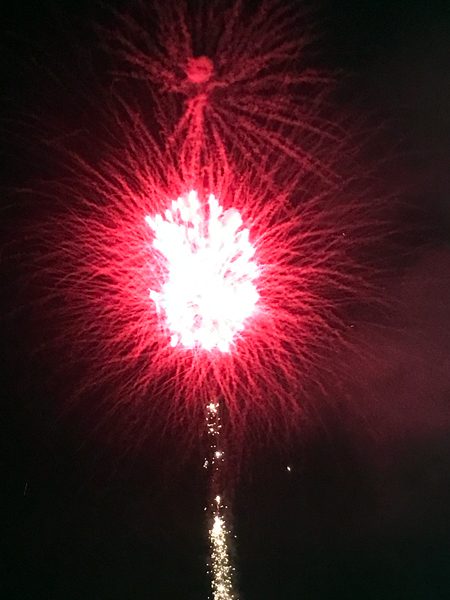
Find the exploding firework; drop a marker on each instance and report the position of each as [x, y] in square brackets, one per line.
[231, 277]
[210, 261]
[232, 84]
[177, 295]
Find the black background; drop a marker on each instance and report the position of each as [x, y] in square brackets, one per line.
[364, 512]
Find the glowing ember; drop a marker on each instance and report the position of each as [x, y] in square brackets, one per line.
[210, 287]
[199, 69]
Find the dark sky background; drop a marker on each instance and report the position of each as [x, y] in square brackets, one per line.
[364, 512]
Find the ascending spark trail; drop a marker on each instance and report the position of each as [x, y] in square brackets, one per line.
[208, 293]
[221, 569]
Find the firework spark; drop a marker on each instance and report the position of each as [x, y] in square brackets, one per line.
[221, 568]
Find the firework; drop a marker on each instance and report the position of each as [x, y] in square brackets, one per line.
[300, 258]
[232, 84]
[302, 248]
[211, 262]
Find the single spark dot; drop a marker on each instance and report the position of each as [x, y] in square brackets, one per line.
[209, 290]
[288, 468]
[199, 69]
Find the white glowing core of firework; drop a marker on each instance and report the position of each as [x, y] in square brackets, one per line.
[210, 288]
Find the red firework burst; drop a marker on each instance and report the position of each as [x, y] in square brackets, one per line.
[302, 248]
[285, 266]
[232, 83]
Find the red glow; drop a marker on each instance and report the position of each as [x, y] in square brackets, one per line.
[199, 69]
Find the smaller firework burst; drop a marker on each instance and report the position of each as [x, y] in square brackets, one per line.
[233, 83]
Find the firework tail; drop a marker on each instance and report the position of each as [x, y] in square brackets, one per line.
[221, 570]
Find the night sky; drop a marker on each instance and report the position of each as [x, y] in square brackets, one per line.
[364, 511]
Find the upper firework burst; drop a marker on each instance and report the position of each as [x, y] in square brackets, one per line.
[233, 82]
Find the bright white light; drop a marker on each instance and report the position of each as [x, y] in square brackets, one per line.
[222, 584]
[210, 287]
